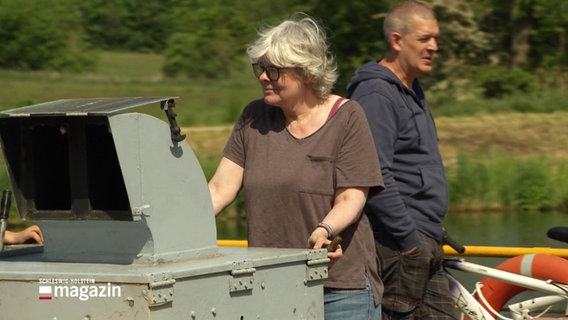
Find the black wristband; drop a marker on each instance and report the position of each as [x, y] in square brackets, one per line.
[327, 228]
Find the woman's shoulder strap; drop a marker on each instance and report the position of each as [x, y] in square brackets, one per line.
[338, 103]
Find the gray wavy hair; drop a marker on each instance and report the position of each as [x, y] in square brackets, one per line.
[298, 43]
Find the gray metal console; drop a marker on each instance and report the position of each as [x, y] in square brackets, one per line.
[124, 207]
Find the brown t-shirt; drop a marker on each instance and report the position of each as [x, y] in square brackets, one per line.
[290, 184]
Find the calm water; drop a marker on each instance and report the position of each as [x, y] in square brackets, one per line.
[505, 229]
[478, 229]
[519, 229]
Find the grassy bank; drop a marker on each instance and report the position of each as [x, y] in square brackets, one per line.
[201, 102]
[506, 161]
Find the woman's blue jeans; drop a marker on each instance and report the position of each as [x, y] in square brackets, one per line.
[342, 304]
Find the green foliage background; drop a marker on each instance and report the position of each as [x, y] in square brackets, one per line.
[202, 38]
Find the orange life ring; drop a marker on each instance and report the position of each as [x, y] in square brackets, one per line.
[540, 266]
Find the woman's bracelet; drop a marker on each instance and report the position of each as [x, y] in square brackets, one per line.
[327, 228]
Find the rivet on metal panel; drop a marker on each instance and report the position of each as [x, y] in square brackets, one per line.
[130, 300]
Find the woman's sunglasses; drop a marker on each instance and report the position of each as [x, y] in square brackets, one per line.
[272, 72]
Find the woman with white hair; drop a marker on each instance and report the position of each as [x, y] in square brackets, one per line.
[305, 158]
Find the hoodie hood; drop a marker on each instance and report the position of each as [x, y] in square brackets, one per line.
[372, 70]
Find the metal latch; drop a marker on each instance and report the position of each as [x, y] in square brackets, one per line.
[175, 130]
[138, 212]
[316, 265]
[242, 276]
[160, 290]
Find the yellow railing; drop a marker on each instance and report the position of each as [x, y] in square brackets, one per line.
[470, 251]
[490, 251]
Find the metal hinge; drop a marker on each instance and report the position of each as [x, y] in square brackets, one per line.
[242, 276]
[160, 290]
[316, 265]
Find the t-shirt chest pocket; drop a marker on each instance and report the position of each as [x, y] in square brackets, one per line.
[319, 175]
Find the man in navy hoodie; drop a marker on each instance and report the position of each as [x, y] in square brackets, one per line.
[407, 215]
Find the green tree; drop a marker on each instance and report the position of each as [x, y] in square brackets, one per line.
[134, 25]
[42, 35]
[198, 55]
[549, 36]
[527, 33]
[461, 39]
[355, 33]
[209, 35]
[202, 44]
